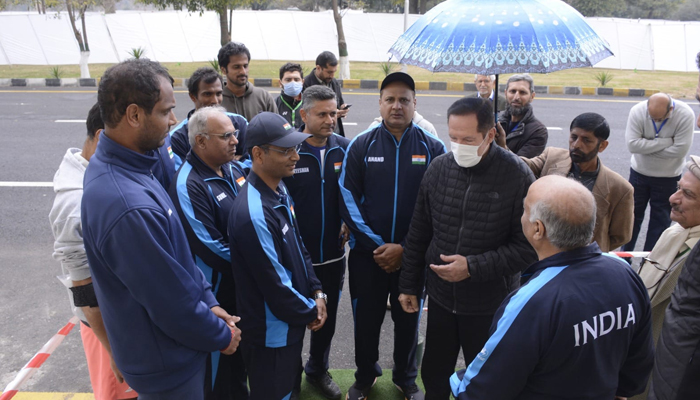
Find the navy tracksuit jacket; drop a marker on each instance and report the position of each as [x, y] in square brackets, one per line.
[314, 188]
[580, 328]
[144, 276]
[181, 142]
[379, 183]
[203, 200]
[274, 276]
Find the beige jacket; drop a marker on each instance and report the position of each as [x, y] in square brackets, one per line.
[613, 196]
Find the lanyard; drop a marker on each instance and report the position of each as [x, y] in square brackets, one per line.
[294, 110]
[657, 130]
[516, 126]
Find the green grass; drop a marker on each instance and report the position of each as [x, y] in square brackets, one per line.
[678, 84]
[384, 389]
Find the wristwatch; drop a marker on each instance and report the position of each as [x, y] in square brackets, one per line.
[321, 295]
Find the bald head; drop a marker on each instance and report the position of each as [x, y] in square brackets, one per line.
[659, 105]
[565, 208]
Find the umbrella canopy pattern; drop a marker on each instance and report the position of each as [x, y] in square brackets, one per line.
[500, 36]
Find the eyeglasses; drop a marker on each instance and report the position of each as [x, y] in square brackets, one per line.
[225, 136]
[287, 151]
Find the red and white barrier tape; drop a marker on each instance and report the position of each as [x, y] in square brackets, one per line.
[38, 359]
[629, 254]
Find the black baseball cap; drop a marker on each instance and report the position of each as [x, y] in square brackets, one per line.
[272, 128]
[399, 77]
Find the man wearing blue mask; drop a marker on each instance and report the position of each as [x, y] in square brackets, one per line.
[289, 101]
[466, 233]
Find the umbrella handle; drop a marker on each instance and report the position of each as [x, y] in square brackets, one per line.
[495, 100]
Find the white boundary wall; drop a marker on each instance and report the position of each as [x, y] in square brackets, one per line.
[174, 36]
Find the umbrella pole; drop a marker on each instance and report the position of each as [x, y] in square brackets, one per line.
[495, 99]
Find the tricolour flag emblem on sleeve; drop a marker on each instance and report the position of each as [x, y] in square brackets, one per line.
[337, 166]
[240, 181]
[418, 160]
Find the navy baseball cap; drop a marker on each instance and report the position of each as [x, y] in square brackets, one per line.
[399, 77]
[271, 128]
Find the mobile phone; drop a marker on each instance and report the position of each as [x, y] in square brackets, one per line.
[346, 106]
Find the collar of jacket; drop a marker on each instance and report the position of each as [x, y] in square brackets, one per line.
[228, 93]
[563, 259]
[382, 127]
[290, 100]
[331, 143]
[265, 191]
[189, 114]
[505, 117]
[113, 153]
[205, 170]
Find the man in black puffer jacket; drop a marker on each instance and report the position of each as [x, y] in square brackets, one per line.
[466, 227]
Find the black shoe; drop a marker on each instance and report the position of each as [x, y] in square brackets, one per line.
[411, 392]
[357, 393]
[295, 395]
[324, 383]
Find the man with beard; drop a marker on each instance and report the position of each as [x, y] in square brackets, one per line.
[158, 309]
[526, 136]
[326, 67]
[588, 136]
[240, 96]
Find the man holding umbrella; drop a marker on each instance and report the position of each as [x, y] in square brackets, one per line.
[526, 136]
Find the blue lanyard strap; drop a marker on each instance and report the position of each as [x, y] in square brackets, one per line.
[657, 130]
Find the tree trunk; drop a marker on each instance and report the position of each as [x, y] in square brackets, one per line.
[342, 44]
[110, 6]
[413, 7]
[423, 4]
[84, 69]
[223, 27]
[82, 22]
[76, 32]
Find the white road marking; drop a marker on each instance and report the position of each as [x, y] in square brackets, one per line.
[78, 121]
[350, 123]
[554, 128]
[26, 184]
[696, 131]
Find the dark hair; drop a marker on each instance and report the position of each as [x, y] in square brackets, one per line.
[291, 67]
[325, 59]
[482, 108]
[94, 121]
[231, 49]
[134, 81]
[592, 122]
[315, 93]
[204, 74]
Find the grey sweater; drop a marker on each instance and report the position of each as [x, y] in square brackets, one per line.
[662, 156]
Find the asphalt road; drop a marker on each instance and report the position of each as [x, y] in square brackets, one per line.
[34, 305]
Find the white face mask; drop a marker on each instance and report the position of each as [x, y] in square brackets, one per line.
[466, 155]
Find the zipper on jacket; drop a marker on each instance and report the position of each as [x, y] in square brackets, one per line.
[459, 236]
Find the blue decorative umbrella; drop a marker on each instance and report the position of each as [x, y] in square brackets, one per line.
[500, 36]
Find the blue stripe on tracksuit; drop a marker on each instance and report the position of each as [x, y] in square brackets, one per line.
[275, 281]
[203, 201]
[512, 310]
